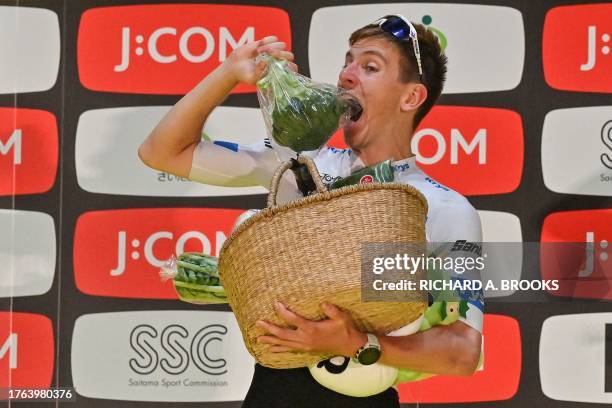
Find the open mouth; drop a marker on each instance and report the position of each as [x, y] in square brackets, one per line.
[355, 108]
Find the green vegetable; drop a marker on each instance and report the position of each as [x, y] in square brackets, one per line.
[302, 115]
[197, 279]
[445, 310]
[379, 173]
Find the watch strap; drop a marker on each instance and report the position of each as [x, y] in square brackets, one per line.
[372, 342]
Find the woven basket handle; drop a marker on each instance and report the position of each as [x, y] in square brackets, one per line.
[278, 174]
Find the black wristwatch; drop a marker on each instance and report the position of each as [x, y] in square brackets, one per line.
[369, 353]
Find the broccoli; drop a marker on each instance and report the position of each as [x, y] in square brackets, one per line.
[302, 115]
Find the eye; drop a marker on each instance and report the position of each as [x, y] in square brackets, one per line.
[370, 68]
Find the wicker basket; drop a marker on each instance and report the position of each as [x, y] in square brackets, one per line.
[308, 251]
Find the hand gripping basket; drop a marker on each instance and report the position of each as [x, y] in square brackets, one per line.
[309, 250]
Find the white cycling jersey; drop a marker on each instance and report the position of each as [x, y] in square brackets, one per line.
[451, 222]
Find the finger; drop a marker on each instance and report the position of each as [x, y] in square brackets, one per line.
[282, 333]
[267, 40]
[275, 341]
[280, 54]
[260, 68]
[288, 316]
[286, 55]
[292, 66]
[270, 46]
[332, 311]
[280, 349]
[277, 50]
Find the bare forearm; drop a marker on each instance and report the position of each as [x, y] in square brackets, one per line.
[171, 144]
[452, 350]
[182, 125]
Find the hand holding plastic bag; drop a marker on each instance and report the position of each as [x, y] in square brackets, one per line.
[299, 113]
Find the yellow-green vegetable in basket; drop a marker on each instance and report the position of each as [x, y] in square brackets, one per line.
[195, 278]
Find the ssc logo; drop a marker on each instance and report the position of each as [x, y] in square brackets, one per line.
[178, 349]
[160, 356]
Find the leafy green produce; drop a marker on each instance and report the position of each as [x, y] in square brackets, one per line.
[378, 173]
[299, 113]
[196, 278]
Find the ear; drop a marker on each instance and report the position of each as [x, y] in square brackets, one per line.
[414, 96]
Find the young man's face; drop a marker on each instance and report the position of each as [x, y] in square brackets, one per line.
[371, 75]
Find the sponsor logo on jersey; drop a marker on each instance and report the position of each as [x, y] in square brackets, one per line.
[436, 184]
[28, 151]
[581, 165]
[400, 167]
[27, 253]
[168, 48]
[576, 48]
[170, 356]
[498, 380]
[500, 68]
[36, 30]
[575, 249]
[328, 178]
[340, 151]
[576, 358]
[119, 252]
[26, 350]
[466, 246]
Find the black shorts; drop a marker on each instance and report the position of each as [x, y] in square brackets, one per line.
[295, 388]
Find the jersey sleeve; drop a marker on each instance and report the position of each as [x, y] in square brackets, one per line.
[460, 228]
[228, 164]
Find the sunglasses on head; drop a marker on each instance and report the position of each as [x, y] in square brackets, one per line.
[402, 29]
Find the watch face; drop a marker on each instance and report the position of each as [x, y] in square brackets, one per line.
[369, 356]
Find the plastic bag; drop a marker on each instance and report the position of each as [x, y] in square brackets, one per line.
[378, 173]
[243, 217]
[195, 277]
[299, 113]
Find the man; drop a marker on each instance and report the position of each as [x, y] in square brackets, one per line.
[396, 80]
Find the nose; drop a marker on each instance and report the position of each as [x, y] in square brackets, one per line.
[348, 76]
